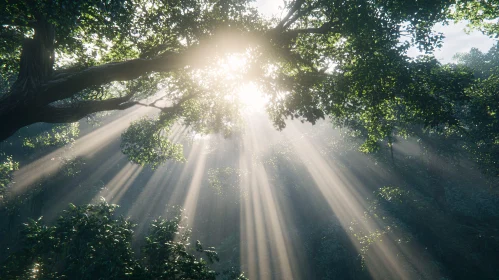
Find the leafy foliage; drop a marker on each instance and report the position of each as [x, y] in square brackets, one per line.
[168, 258]
[226, 181]
[370, 86]
[88, 242]
[391, 194]
[57, 136]
[481, 15]
[326, 58]
[145, 141]
[72, 166]
[7, 167]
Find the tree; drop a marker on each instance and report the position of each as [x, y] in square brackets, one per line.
[74, 50]
[478, 116]
[64, 60]
[88, 242]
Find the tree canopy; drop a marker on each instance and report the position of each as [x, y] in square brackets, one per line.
[64, 60]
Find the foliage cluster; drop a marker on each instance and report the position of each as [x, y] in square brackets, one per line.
[144, 143]
[227, 181]
[57, 136]
[7, 167]
[88, 242]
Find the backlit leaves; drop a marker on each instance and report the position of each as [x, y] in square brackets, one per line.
[146, 142]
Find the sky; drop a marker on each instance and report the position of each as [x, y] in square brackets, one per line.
[456, 39]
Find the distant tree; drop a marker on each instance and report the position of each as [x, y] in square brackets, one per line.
[88, 242]
[479, 116]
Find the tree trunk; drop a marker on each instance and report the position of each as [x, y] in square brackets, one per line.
[19, 106]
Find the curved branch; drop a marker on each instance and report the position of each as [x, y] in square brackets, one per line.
[68, 85]
[22, 107]
[76, 111]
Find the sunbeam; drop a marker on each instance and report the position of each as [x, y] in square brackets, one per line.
[196, 179]
[385, 259]
[120, 183]
[265, 246]
[86, 146]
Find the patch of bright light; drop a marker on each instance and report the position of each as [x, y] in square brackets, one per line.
[252, 97]
[270, 8]
[248, 93]
[234, 62]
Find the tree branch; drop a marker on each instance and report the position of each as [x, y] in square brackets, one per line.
[298, 15]
[67, 84]
[75, 112]
[26, 104]
[296, 7]
[71, 84]
[151, 105]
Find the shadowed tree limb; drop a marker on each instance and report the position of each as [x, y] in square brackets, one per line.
[76, 111]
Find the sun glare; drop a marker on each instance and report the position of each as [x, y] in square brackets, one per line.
[252, 97]
[248, 93]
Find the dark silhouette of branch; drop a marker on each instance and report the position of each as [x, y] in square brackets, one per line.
[76, 111]
[296, 6]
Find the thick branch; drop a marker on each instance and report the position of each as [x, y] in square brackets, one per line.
[69, 85]
[31, 100]
[66, 72]
[75, 112]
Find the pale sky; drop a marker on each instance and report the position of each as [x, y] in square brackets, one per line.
[456, 40]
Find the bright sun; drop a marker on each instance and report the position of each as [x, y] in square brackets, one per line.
[248, 93]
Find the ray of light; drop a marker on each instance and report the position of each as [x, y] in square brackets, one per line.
[104, 168]
[265, 246]
[88, 146]
[191, 200]
[151, 198]
[253, 239]
[120, 183]
[180, 191]
[166, 187]
[384, 260]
